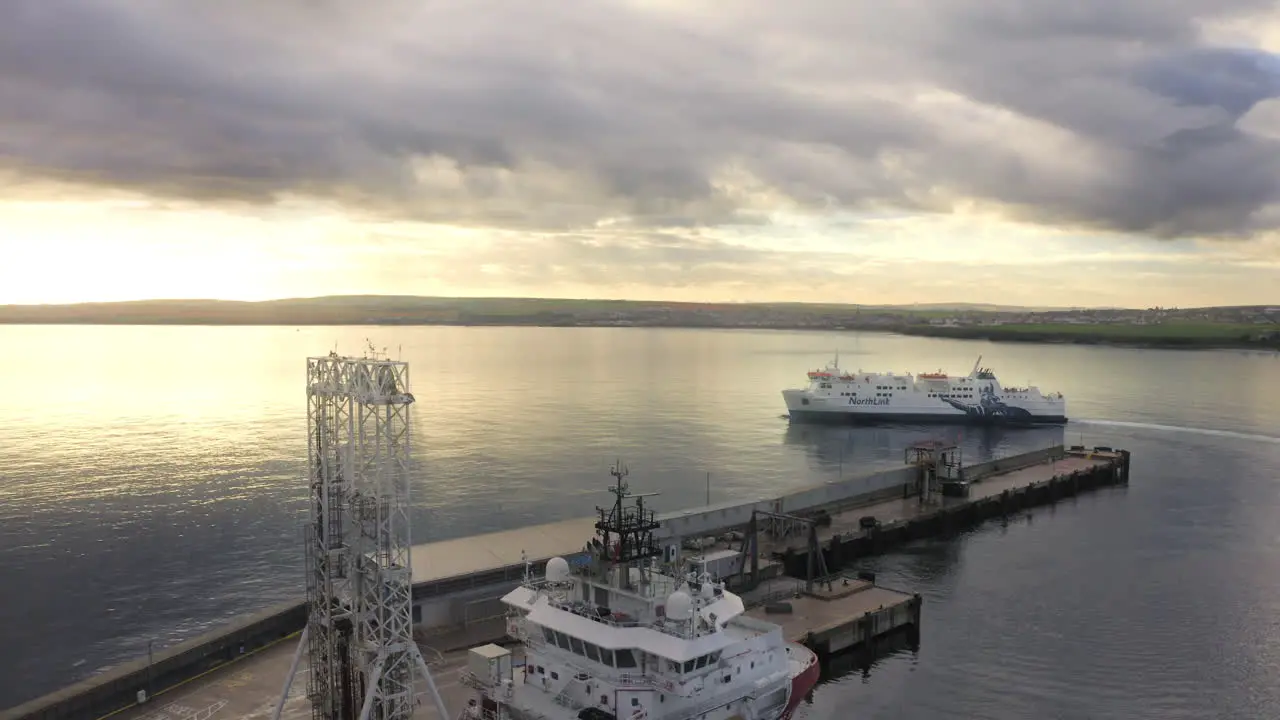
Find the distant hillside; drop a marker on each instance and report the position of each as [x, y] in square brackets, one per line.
[978, 307]
[345, 309]
[415, 310]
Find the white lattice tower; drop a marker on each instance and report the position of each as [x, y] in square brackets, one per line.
[360, 636]
[331, 682]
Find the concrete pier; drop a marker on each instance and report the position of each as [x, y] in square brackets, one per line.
[842, 613]
[844, 536]
[457, 582]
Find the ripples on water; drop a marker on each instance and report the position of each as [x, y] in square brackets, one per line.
[152, 489]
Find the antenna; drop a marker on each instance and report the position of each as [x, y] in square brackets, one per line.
[619, 471]
[626, 532]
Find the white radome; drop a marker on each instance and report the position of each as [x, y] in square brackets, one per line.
[679, 606]
[557, 570]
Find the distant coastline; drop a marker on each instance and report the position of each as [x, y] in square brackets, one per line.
[1176, 338]
[1199, 328]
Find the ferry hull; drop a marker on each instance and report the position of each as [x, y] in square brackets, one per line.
[837, 417]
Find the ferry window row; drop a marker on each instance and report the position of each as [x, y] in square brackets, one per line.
[622, 658]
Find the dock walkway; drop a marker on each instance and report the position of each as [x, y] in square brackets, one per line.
[900, 510]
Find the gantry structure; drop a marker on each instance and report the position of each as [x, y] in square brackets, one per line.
[359, 635]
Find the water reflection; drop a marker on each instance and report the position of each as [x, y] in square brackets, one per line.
[901, 644]
[861, 666]
[856, 450]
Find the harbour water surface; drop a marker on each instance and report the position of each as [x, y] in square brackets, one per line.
[151, 488]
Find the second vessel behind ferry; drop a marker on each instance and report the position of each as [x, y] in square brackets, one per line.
[836, 395]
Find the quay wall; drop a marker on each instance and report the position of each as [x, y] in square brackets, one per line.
[117, 688]
[862, 631]
[842, 550]
[975, 473]
[723, 517]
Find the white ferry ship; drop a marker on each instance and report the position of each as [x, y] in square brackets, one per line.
[836, 395]
[624, 638]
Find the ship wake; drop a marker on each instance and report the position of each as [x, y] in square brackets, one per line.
[1181, 429]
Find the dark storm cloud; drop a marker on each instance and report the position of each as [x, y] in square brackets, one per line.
[661, 113]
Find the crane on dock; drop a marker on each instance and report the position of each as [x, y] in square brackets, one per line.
[359, 634]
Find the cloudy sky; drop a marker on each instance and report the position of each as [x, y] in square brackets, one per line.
[1012, 151]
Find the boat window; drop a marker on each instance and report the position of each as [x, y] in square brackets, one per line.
[562, 641]
[701, 661]
[715, 656]
[592, 653]
[624, 658]
[606, 656]
[576, 645]
[688, 666]
[549, 634]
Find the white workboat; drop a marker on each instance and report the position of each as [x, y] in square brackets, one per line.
[624, 637]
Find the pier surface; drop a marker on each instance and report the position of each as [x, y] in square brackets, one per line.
[249, 690]
[901, 510]
[433, 562]
[839, 614]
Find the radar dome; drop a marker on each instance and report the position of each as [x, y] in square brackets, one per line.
[708, 591]
[557, 570]
[679, 606]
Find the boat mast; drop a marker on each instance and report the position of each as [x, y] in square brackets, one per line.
[632, 525]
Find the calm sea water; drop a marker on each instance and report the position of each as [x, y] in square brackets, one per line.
[151, 488]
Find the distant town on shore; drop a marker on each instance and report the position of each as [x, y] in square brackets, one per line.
[1241, 327]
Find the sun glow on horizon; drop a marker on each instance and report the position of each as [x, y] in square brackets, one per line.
[126, 249]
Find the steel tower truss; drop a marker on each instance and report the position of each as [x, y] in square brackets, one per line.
[359, 634]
